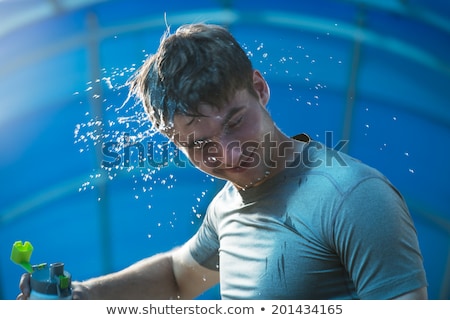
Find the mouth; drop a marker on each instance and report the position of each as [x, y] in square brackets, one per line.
[249, 161]
[246, 162]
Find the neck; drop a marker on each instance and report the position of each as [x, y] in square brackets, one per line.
[284, 151]
[279, 151]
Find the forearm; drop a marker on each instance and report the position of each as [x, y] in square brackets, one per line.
[151, 278]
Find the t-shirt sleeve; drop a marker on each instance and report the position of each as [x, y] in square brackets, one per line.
[376, 239]
[204, 245]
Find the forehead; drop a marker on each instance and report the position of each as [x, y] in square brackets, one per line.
[205, 111]
[186, 127]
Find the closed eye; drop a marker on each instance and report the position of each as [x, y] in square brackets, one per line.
[234, 122]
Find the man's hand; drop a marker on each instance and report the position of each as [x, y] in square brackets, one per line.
[79, 291]
[24, 286]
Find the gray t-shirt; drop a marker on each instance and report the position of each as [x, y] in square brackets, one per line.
[327, 227]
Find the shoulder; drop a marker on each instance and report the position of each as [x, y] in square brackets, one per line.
[226, 198]
[347, 188]
[337, 170]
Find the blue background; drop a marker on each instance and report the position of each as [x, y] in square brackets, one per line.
[375, 73]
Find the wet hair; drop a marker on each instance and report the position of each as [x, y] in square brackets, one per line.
[199, 63]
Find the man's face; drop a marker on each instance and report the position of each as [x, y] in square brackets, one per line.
[233, 142]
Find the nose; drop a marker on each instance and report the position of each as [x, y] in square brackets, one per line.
[232, 154]
[226, 154]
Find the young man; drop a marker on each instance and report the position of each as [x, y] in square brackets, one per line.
[295, 220]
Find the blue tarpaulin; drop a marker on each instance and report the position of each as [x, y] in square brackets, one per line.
[375, 74]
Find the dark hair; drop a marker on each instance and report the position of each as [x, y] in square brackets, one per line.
[199, 63]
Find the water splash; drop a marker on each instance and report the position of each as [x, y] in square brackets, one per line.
[295, 65]
[121, 128]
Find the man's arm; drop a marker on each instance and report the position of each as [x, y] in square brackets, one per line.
[150, 278]
[172, 275]
[192, 278]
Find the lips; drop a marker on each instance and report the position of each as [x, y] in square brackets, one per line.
[244, 164]
[248, 161]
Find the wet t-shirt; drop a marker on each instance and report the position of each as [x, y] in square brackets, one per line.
[327, 227]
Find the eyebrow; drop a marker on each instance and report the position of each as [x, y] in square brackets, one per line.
[228, 117]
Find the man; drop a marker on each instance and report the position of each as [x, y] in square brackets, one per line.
[295, 220]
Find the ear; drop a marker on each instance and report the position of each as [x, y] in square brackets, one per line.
[261, 88]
